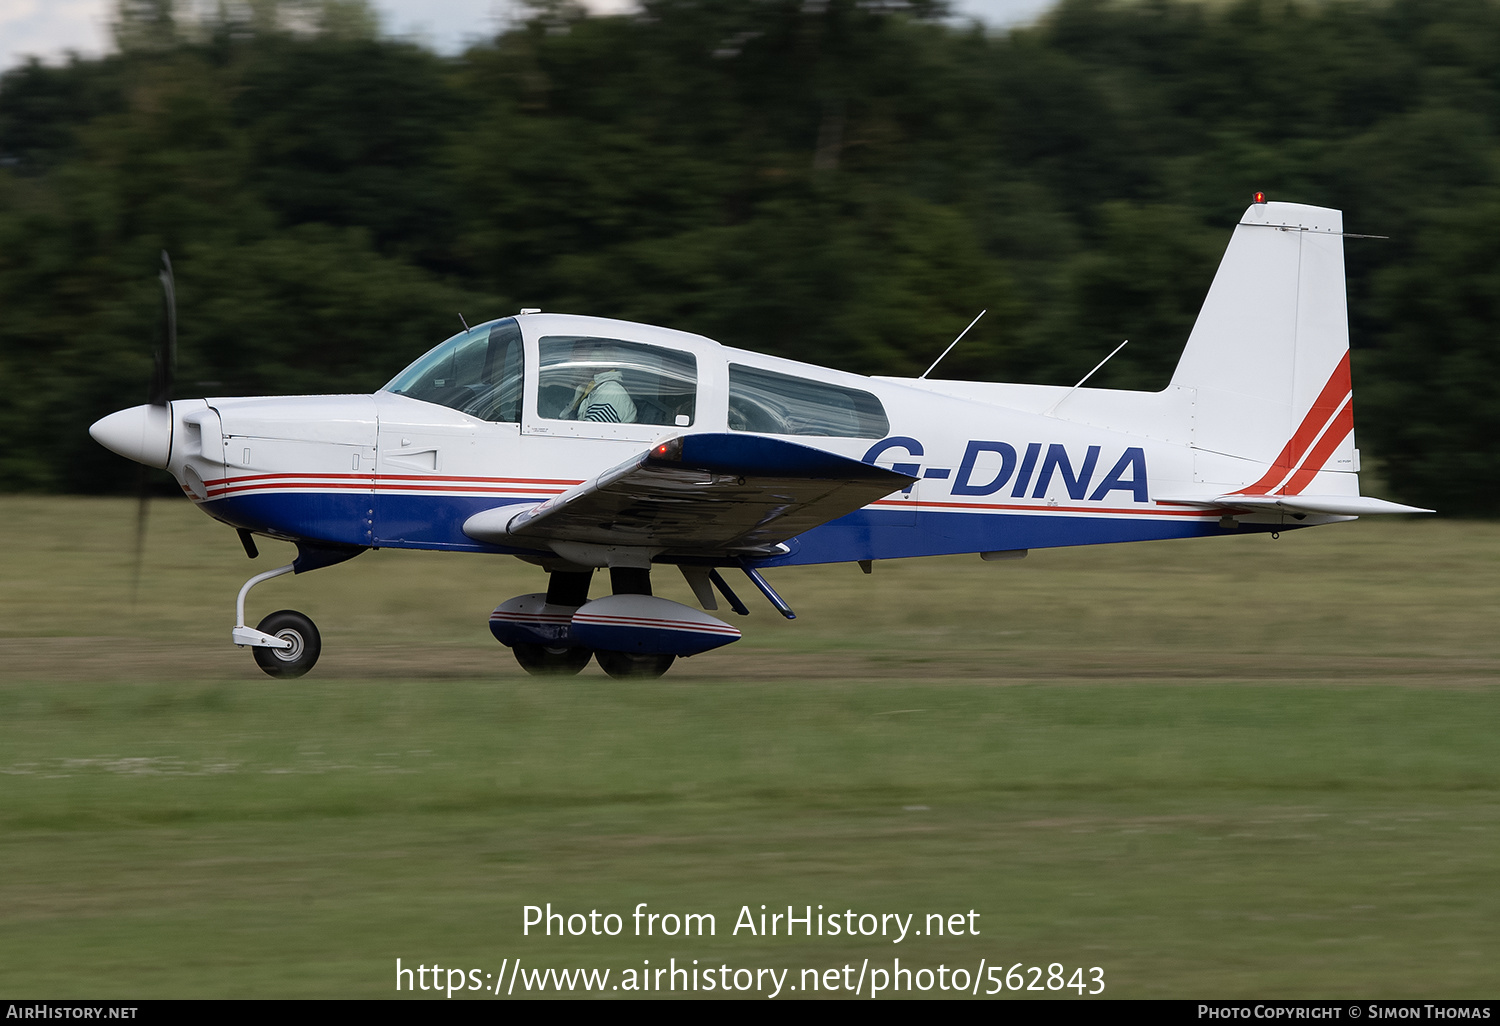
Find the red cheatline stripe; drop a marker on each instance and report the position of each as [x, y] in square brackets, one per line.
[524, 493]
[1323, 410]
[293, 486]
[394, 484]
[1339, 430]
[267, 477]
[304, 486]
[514, 480]
[529, 618]
[396, 477]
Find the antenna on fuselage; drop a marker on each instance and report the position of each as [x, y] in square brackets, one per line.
[464, 322]
[1053, 408]
[955, 342]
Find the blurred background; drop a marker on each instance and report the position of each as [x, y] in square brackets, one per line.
[842, 181]
[1248, 767]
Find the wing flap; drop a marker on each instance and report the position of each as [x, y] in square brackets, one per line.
[703, 493]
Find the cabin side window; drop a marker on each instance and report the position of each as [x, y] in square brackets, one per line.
[480, 372]
[607, 380]
[780, 404]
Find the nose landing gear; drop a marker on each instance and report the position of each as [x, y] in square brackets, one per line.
[287, 643]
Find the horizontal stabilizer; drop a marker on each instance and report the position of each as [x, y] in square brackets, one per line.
[1329, 505]
[702, 493]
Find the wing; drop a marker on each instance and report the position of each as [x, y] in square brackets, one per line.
[702, 493]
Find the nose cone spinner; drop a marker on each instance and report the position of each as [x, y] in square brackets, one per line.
[141, 433]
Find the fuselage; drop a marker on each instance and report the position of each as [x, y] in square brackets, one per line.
[999, 467]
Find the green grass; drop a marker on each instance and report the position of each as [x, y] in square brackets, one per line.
[1237, 767]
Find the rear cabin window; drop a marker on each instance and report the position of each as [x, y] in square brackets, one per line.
[780, 404]
[607, 380]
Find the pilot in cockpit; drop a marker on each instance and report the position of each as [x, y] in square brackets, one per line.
[604, 398]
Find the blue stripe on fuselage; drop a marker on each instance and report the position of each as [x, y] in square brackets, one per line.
[436, 522]
[879, 534]
[343, 518]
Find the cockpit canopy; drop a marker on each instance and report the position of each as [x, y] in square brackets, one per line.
[584, 377]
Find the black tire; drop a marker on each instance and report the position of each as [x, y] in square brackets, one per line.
[307, 644]
[542, 661]
[624, 665]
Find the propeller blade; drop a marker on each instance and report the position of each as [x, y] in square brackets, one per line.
[163, 373]
[164, 364]
[143, 508]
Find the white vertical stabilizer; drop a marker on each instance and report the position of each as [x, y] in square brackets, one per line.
[1268, 359]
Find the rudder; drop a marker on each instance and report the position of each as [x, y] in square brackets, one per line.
[1268, 358]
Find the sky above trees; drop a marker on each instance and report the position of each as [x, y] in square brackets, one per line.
[48, 29]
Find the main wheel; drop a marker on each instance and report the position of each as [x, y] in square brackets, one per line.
[544, 661]
[307, 644]
[632, 664]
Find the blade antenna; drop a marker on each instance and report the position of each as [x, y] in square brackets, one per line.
[955, 342]
[1053, 408]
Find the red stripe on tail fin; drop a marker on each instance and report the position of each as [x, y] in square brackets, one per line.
[1336, 433]
[1323, 409]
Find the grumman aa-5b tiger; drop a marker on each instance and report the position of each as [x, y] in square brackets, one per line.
[579, 444]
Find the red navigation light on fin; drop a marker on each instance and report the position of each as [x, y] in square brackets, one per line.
[1260, 197]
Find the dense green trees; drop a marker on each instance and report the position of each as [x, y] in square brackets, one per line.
[840, 181]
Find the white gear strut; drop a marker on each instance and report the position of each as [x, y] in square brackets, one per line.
[249, 635]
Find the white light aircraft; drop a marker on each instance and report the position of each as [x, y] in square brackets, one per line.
[579, 443]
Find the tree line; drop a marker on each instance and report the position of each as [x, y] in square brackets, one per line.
[840, 181]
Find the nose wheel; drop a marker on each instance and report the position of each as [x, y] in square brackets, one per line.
[303, 644]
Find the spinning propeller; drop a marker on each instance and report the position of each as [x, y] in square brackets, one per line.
[164, 364]
[163, 372]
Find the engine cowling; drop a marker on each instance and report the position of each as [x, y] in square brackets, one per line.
[645, 624]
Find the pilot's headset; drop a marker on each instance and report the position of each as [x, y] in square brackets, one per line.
[590, 357]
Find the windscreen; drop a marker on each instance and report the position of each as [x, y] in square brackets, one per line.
[479, 372]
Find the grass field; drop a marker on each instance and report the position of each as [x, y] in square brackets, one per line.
[1231, 767]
